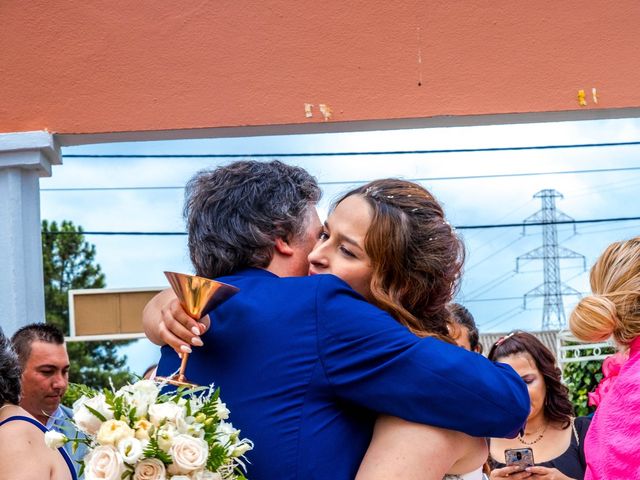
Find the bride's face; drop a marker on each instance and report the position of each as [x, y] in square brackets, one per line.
[340, 247]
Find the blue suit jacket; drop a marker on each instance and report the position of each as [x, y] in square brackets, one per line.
[304, 364]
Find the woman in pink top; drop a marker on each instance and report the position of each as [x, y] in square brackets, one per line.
[612, 445]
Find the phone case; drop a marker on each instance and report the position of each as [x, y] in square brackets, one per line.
[519, 456]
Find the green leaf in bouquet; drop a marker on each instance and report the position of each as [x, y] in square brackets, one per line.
[217, 457]
[77, 390]
[117, 404]
[96, 413]
[153, 450]
[209, 407]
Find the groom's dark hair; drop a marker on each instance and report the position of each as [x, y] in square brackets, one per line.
[236, 212]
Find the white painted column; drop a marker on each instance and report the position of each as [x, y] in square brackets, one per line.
[24, 158]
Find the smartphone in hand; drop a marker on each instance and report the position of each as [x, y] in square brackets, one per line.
[522, 457]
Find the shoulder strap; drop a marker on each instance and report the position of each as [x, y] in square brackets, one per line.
[575, 432]
[44, 429]
[30, 420]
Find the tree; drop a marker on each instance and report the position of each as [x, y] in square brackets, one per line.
[69, 263]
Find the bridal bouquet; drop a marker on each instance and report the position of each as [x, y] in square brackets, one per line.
[138, 433]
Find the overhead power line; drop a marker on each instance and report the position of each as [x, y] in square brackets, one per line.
[460, 227]
[356, 182]
[350, 154]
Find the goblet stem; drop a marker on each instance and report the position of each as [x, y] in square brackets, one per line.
[183, 367]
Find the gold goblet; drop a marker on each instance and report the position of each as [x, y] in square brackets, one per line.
[196, 295]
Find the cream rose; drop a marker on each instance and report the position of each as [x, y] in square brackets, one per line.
[103, 463]
[112, 431]
[130, 449]
[85, 420]
[150, 469]
[188, 454]
[55, 439]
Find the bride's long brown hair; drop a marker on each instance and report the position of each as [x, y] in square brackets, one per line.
[416, 256]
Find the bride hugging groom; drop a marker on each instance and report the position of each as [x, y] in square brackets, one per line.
[339, 376]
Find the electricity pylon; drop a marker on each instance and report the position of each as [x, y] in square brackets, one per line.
[552, 289]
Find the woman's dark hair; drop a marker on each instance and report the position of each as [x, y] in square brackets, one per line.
[415, 255]
[9, 373]
[461, 316]
[236, 212]
[557, 406]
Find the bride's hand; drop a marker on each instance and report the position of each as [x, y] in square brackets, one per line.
[166, 323]
[513, 472]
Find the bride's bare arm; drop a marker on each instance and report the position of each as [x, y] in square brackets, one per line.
[411, 451]
[166, 323]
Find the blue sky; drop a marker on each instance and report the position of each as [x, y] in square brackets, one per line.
[491, 289]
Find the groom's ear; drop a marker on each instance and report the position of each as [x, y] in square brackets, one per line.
[283, 247]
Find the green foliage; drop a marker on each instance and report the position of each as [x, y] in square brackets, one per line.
[217, 457]
[76, 390]
[153, 450]
[69, 263]
[582, 378]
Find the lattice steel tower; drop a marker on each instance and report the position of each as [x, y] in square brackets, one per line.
[550, 252]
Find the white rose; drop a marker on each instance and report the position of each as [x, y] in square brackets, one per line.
[205, 475]
[112, 431]
[55, 439]
[150, 469]
[130, 449]
[168, 411]
[180, 477]
[188, 454]
[86, 421]
[166, 433]
[103, 463]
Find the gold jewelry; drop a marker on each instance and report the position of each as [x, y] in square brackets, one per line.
[538, 438]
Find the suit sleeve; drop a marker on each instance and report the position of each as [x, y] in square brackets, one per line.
[371, 360]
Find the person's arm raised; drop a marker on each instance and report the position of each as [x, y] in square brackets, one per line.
[166, 323]
[372, 361]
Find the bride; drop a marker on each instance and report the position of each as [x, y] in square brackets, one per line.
[389, 240]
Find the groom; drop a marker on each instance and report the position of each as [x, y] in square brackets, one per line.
[304, 363]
